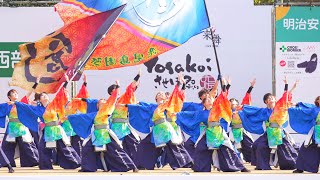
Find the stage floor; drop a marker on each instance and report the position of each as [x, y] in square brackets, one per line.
[167, 171]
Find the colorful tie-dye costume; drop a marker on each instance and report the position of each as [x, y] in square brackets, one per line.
[72, 108]
[17, 136]
[277, 119]
[50, 115]
[102, 136]
[177, 103]
[56, 109]
[282, 151]
[221, 109]
[236, 120]
[121, 112]
[16, 129]
[163, 131]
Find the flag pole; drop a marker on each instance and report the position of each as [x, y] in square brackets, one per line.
[213, 43]
[78, 70]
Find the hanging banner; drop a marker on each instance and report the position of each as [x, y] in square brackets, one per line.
[297, 49]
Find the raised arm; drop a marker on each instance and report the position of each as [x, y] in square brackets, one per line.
[82, 100]
[175, 102]
[90, 103]
[247, 98]
[221, 108]
[286, 87]
[280, 112]
[228, 83]
[183, 82]
[294, 86]
[181, 93]
[60, 100]
[135, 82]
[33, 88]
[214, 90]
[80, 103]
[224, 85]
[111, 101]
[85, 82]
[129, 97]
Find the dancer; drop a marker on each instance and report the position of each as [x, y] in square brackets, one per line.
[213, 146]
[162, 136]
[120, 124]
[72, 107]
[101, 148]
[53, 135]
[275, 147]
[16, 133]
[241, 139]
[191, 136]
[305, 119]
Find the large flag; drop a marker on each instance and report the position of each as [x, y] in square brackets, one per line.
[145, 29]
[63, 51]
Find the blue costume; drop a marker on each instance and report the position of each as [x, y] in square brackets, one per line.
[222, 156]
[305, 119]
[252, 121]
[101, 148]
[188, 137]
[53, 135]
[17, 134]
[162, 139]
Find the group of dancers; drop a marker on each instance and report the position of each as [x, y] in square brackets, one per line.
[120, 133]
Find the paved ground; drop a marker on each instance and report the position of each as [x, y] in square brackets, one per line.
[164, 171]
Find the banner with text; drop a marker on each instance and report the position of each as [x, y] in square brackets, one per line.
[297, 49]
[9, 55]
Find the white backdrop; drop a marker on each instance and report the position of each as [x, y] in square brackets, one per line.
[244, 51]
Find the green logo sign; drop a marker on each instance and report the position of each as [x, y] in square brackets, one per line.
[9, 56]
[298, 24]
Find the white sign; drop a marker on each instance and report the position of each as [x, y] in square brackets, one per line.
[299, 61]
